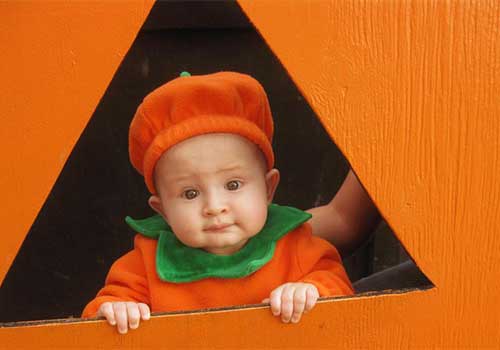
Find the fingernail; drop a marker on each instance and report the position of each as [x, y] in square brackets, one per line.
[122, 331]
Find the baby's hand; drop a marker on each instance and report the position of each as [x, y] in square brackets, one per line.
[124, 314]
[290, 300]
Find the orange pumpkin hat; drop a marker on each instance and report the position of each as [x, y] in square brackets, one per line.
[188, 106]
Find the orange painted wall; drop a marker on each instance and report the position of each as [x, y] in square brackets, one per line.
[409, 92]
[56, 62]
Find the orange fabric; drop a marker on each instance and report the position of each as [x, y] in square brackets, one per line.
[224, 102]
[299, 256]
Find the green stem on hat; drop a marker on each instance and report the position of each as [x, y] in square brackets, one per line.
[185, 74]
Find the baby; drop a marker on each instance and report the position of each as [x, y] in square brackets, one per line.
[203, 145]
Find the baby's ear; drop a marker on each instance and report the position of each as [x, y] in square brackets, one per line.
[272, 181]
[155, 203]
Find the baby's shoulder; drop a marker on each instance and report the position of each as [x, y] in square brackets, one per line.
[295, 238]
[302, 238]
[301, 232]
[144, 244]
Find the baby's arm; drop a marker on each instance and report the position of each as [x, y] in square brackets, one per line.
[124, 299]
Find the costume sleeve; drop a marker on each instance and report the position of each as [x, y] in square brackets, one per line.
[126, 281]
[322, 266]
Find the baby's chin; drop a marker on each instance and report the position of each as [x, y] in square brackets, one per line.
[215, 242]
[227, 250]
[225, 246]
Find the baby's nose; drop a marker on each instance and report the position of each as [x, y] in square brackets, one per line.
[215, 205]
[214, 210]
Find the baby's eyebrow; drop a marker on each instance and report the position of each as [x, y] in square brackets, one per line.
[180, 177]
[186, 177]
[229, 168]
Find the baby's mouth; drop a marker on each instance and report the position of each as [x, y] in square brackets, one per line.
[217, 227]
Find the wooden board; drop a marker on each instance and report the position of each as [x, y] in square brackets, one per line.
[57, 60]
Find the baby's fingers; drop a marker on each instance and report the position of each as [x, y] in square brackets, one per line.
[133, 315]
[287, 302]
[299, 303]
[312, 296]
[106, 310]
[144, 310]
[120, 310]
[275, 300]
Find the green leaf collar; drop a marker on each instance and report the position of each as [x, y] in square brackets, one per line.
[176, 262]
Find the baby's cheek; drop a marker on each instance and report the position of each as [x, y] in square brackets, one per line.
[185, 227]
[254, 212]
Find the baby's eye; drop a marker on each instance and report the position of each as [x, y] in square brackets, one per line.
[233, 185]
[190, 194]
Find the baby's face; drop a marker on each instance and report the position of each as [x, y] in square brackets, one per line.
[214, 191]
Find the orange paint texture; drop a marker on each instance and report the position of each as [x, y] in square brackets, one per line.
[57, 60]
[409, 92]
